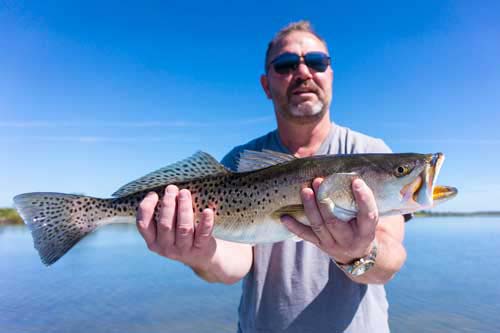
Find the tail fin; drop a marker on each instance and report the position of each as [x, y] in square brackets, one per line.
[57, 221]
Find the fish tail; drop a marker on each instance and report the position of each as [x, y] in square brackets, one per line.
[58, 221]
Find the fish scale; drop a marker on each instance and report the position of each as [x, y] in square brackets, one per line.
[247, 204]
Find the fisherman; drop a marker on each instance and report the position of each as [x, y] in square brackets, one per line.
[334, 279]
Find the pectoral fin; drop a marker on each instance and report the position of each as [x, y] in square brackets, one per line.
[295, 211]
[336, 193]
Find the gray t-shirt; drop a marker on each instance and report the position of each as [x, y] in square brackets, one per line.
[294, 286]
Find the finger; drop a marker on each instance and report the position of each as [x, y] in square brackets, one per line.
[299, 229]
[367, 217]
[185, 226]
[203, 231]
[341, 231]
[145, 223]
[165, 227]
[315, 218]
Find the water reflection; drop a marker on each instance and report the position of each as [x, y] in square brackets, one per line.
[110, 282]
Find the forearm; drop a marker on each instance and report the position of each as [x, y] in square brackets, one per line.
[229, 264]
[391, 253]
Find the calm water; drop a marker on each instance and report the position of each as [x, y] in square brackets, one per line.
[110, 283]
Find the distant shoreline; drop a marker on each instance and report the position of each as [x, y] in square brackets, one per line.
[456, 214]
[9, 216]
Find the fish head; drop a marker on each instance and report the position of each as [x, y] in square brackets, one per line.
[405, 183]
[401, 183]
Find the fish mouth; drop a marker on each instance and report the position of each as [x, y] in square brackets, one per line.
[422, 192]
[428, 193]
[443, 193]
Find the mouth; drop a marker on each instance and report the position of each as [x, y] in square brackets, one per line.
[433, 170]
[303, 92]
[443, 193]
[427, 193]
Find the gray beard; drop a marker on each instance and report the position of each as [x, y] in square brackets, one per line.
[304, 110]
[304, 114]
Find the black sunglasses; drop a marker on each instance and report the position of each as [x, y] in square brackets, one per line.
[288, 62]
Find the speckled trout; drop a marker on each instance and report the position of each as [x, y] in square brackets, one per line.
[248, 202]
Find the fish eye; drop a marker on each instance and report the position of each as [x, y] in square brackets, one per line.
[402, 170]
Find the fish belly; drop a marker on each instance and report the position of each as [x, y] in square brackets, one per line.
[265, 229]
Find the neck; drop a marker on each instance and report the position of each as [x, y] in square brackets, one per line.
[303, 140]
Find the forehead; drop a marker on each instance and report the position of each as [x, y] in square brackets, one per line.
[299, 42]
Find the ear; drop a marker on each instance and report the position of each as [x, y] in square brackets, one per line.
[265, 85]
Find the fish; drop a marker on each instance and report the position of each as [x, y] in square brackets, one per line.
[247, 202]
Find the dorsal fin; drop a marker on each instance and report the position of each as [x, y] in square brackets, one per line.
[252, 160]
[199, 165]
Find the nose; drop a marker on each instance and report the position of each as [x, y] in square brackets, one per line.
[303, 72]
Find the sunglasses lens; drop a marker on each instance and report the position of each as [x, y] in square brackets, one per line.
[286, 63]
[317, 61]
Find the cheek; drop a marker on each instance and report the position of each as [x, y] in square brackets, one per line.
[278, 88]
[325, 82]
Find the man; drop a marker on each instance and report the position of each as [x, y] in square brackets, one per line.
[318, 284]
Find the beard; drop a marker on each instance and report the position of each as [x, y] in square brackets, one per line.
[303, 112]
[306, 109]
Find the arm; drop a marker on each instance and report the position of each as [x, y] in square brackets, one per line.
[346, 241]
[391, 253]
[172, 233]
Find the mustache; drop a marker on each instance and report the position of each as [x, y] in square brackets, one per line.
[303, 84]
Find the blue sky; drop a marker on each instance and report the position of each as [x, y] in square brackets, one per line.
[95, 94]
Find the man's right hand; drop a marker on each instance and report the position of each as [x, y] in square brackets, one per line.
[172, 233]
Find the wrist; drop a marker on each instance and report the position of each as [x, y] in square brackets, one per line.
[207, 269]
[361, 265]
[346, 259]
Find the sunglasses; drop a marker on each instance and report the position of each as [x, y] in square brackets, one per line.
[287, 62]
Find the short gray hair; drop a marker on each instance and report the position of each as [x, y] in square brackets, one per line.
[304, 26]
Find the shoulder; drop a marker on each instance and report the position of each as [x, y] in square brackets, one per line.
[263, 142]
[353, 142]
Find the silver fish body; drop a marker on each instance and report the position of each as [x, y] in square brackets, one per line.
[247, 203]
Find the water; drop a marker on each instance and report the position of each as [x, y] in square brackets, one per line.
[110, 283]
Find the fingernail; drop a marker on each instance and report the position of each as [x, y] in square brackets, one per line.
[170, 189]
[285, 219]
[358, 184]
[183, 195]
[142, 224]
